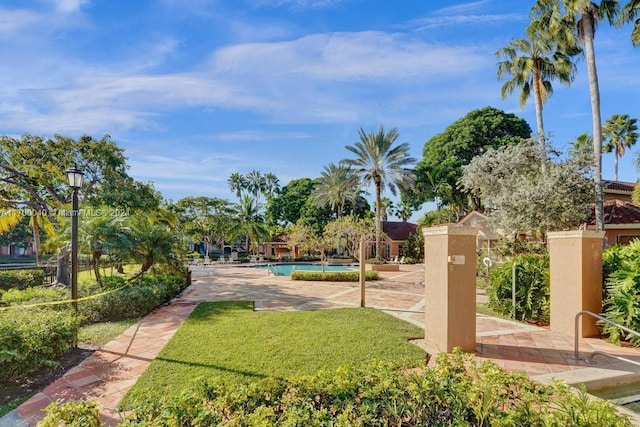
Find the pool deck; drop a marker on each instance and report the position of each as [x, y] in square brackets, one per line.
[112, 370]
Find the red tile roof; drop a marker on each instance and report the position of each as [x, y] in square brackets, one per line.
[618, 186]
[618, 212]
[398, 230]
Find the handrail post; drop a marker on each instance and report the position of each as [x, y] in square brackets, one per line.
[576, 353]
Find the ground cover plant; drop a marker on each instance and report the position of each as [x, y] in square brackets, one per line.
[231, 342]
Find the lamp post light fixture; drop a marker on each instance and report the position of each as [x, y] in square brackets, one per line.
[75, 182]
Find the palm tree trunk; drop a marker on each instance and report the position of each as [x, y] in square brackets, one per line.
[378, 220]
[615, 166]
[538, 105]
[594, 90]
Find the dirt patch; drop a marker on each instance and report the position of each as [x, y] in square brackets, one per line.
[27, 386]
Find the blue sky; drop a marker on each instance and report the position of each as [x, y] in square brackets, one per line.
[195, 90]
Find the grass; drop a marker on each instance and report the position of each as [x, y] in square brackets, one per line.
[5, 409]
[101, 333]
[229, 341]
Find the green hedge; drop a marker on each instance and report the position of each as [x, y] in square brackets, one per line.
[457, 392]
[132, 301]
[33, 338]
[333, 276]
[21, 279]
[35, 295]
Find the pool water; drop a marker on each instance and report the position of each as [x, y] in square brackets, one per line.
[625, 395]
[286, 269]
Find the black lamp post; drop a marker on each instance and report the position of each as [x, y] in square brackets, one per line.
[75, 182]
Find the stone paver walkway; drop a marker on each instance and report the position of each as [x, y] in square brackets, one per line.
[112, 370]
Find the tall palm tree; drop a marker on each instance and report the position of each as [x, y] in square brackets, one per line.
[255, 183]
[237, 183]
[574, 22]
[271, 185]
[249, 221]
[620, 132]
[532, 63]
[379, 163]
[336, 186]
[628, 13]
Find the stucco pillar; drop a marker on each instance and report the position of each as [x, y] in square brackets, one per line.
[450, 287]
[575, 262]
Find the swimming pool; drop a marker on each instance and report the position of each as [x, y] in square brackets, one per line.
[286, 269]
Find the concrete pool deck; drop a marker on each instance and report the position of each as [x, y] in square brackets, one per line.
[112, 370]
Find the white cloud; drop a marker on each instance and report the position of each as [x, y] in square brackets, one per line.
[14, 21]
[69, 6]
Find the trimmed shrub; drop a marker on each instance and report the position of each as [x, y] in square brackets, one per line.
[21, 279]
[35, 295]
[33, 338]
[333, 276]
[532, 288]
[73, 413]
[133, 301]
[457, 391]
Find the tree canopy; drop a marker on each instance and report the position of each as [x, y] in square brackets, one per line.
[445, 154]
[519, 197]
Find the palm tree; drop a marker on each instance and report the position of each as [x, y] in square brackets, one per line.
[103, 235]
[249, 221]
[337, 185]
[377, 162]
[153, 243]
[572, 22]
[237, 183]
[620, 132]
[271, 185]
[532, 63]
[255, 183]
[628, 14]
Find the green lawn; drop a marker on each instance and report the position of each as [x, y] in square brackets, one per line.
[229, 340]
[101, 333]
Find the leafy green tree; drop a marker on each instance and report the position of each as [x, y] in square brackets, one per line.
[307, 239]
[574, 22]
[336, 186]
[285, 208]
[33, 174]
[620, 132]
[520, 198]
[249, 222]
[154, 243]
[237, 183]
[378, 162]
[103, 234]
[533, 62]
[346, 231]
[445, 154]
[204, 219]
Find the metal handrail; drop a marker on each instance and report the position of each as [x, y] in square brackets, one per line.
[576, 354]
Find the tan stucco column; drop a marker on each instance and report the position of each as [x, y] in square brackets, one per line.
[450, 287]
[575, 262]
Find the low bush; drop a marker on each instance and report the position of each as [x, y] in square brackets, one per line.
[622, 291]
[333, 276]
[129, 302]
[33, 338]
[458, 391]
[35, 295]
[75, 413]
[532, 288]
[21, 279]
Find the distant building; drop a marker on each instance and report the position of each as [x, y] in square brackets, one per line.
[621, 215]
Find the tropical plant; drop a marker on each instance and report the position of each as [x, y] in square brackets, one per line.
[102, 235]
[628, 13]
[307, 239]
[255, 184]
[346, 232]
[271, 185]
[154, 243]
[532, 291]
[336, 186]
[237, 183]
[379, 163]
[248, 222]
[619, 132]
[582, 145]
[571, 23]
[532, 63]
